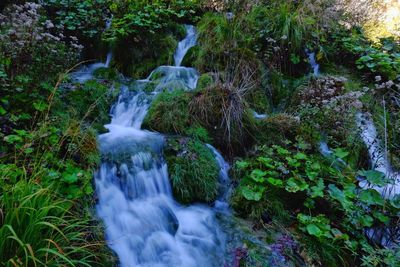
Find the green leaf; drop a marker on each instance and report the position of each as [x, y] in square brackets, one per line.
[258, 175]
[249, 194]
[312, 229]
[294, 185]
[275, 182]
[340, 153]
[371, 197]
[300, 156]
[242, 164]
[318, 189]
[395, 201]
[11, 139]
[266, 162]
[2, 111]
[40, 106]
[381, 217]
[374, 177]
[366, 220]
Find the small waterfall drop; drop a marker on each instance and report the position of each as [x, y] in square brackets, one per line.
[224, 182]
[143, 223]
[377, 157]
[313, 62]
[85, 73]
[259, 116]
[185, 44]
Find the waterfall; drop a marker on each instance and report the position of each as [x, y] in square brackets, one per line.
[224, 182]
[85, 73]
[143, 223]
[185, 44]
[259, 116]
[377, 157]
[313, 63]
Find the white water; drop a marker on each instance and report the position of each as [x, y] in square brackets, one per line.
[259, 116]
[171, 77]
[85, 73]
[185, 44]
[224, 182]
[144, 225]
[377, 157]
[313, 63]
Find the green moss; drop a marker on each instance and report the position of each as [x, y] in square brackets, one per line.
[204, 81]
[193, 170]
[276, 128]
[259, 101]
[106, 73]
[199, 133]
[90, 101]
[191, 56]
[169, 112]
[138, 58]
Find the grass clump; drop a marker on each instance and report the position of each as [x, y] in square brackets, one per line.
[193, 170]
[169, 112]
[40, 228]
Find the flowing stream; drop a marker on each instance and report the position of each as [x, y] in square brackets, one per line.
[143, 223]
[85, 73]
[378, 157]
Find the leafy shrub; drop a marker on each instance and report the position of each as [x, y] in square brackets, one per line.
[193, 170]
[144, 33]
[380, 58]
[84, 19]
[28, 47]
[133, 18]
[90, 102]
[328, 108]
[329, 207]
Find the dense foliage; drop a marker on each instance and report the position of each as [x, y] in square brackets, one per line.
[290, 131]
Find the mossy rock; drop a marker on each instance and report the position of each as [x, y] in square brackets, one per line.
[106, 73]
[191, 56]
[169, 112]
[91, 101]
[192, 169]
[204, 81]
[258, 100]
[276, 128]
[137, 58]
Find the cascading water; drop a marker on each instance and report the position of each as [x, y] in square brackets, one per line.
[313, 62]
[224, 182]
[185, 44]
[85, 73]
[259, 116]
[377, 157]
[144, 225]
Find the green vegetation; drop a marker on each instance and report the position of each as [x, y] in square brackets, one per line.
[253, 57]
[193, 170]
[169, 112]
[319, 194]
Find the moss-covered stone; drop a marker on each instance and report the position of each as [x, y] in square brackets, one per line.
[137, 58]
[192, 169]
[169, 113]
[204, 81]
[191, 56]
[276, 128]
[91, 101]
[106, 73]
